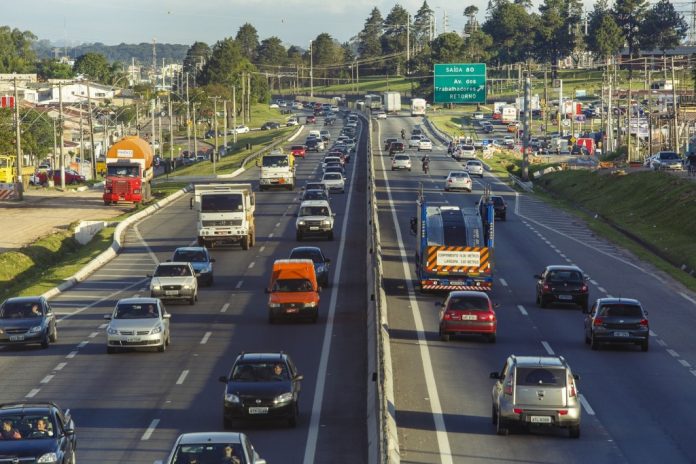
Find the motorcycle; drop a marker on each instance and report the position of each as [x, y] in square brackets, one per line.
[426, 166]
[403, 134]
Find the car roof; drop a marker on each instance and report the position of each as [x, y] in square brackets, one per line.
[458, 172]
[209, 437]
[473, 161]
[563, 267]
[191, 248]
[174, 263]
[24, 299]
[259, 357]
[314, 203]
[617, 300]
[535, 361]
[136, 300]
[27, 407]
[471, 293]
[306, 249]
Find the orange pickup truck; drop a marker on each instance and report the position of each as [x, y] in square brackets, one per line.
[293, 290]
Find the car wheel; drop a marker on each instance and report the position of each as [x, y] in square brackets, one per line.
[501, 427]
[644, 346]
[574, 431]
[593, 343]
[163, 347]
[292, 421]
[491, 338]
[53, 338]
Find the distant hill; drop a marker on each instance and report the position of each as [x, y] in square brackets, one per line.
[124, 53]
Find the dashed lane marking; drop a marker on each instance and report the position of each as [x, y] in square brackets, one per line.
[672, 353]
[205, 338]
[182, 377]
[60, 366]
[547, 347]
[71, 355]
[503, 282]
[239, 284]
[149, 431]
[224, 308]
[586, 405]
[522, 310]
[47, 379]
[32, 393]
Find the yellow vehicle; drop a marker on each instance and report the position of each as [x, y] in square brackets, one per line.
[101, 166]
[8, 170]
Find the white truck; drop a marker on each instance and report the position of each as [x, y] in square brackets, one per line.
[392, 102]
[418, 106]
[508, 113]
[277, 170]
[225, 214]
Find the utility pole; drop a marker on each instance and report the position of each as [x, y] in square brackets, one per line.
[248, 98]
[159, 120]
[188, 116]
[610, 110]
[62, 158]
[224, 124]
[91, 132]
[195, 133]
[82, 143]
[546, 102]
[645, 74]
[311, 70]
[243, 97]
[18, 144]
[629, 111]
[357, 76]
[171, 131]
[561, 109]
[674, 107]
[527, 126]
[408, 41]
[234, 114]
[215, 128]
[152, 126]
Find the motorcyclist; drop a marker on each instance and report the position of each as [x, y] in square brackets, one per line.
[426, 163]
[403, 134]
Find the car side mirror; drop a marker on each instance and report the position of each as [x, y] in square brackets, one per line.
[587, 278]
[69, 431]
[495, 375]
[439, 304]
[576, 376]
[222, 378]
[299, 377]
[107, 317]
[333, 214]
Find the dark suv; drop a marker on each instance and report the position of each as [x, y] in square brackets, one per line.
[37, 432]
[262, 386]
[396, 147]
[27, 320]
[499, 207]
[617, 320]
[562, 284]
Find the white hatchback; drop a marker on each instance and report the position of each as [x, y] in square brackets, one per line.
[474, 168]
[401, 161]
[334, 181]
[458, 180]
[425, 144]
[414, 141]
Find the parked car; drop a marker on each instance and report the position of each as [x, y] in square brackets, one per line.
[381, 115]
[41, 432]
[292, 122]
[138, 323]
[562, 284]
[321, 262]
[667, 161]
[204, 447]
[617, 320]
[174, 281]
[468, 312]
[261, 386]
[536, 391]
[458, 180]
[71, 177]
[27, 320]
[241, 129]
[200, 260]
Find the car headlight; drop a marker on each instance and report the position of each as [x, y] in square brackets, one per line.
[155, 287]
[326, 222]
[2, 331]
[156, 330]
[230, 398]
[186, 287]
[35, 329]
[111, 331]
[47, 458]
[310, 305]
[274, 305]
[284, 398]
[300, 223]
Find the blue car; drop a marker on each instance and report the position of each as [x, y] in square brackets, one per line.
[200, 260]
[321, 262]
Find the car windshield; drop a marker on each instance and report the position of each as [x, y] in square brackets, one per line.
[332, 176]
[172, 271]
[136, 311]
[123, 171]
[298, 147]
[314, 186]
[314, 211]
[26, 427]
[459, 174]
[401, 158]
[20, 310]
[620, 310]
[292, 285]
[535, 376]
[468, 303]
[194, 256]
[209, 453]
[222, 203]
[332, 159]
[276, 161]
[564, 276]
[260, 372]
[474, 164]
[669, 155]
[498, 201]
[314, 255]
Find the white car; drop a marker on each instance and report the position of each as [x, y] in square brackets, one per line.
[463, 152]
[334, 181]
[401, 161]
[315, 218]
[174, 281]
[381, 115]
[274, 106]
[425, 144]
[474, 168]
[138, 323]
[196, 447]
[241, 129]
[458, 180]
[292, 122]
[414, 141]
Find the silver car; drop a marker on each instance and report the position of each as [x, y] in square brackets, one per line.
[138, 323]
[414, 141]
[474, 168]
[458, 180]
[201, 446]
[401, 162]
[536, 391]
[174, 281]
[425, 144]
[334, 181]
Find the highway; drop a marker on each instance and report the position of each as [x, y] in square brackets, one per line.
[636, 406]
[130, 407]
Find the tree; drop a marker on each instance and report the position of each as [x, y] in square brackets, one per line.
[326, 52]
[224, 64]
[604, 36]
[37, 137]
[271, 52]
[471, 23]
[94, 66]
[664, 28]
[248, 39]
[369, 44]
[448, 48]
[394, 37]
[16, 52]
[52, 69]
[629, 15]
[512, 29]
[478, 47]
[423, 24]
[196, 57]
[555, 30]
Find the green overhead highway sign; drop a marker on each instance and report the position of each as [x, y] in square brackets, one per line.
[460, 83]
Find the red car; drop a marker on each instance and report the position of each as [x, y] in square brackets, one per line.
[468, 312]
[71, 177]
[311, 119]
[298, 150]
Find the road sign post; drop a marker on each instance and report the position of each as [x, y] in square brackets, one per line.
[459, 83]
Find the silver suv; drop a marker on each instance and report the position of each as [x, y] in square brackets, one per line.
[536, 391]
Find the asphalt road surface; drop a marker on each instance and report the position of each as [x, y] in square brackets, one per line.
[130, 407]
[636, 406]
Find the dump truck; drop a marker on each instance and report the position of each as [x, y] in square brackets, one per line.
[129, 171]
[225, 214]
[454, 245]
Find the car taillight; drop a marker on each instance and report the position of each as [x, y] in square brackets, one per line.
[449, 180]
[546, 288]
[583, 288]
[562, 412]
[598, 321]
[517, 410]
[487, 317]
[644, 322]
[447, 316]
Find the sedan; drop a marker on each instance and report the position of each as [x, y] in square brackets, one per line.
[499, 207]
[335, 181]
[138, 323]
[270, 125]
[27, 320]
[401, 162]
[562, 284]
[617, 320]
[241, 129]
[468, 312]
[225, 447]
[174, 281]
[311, 119]
[425, 144]
[321, 262]
[314, 194]
[200, 260]
[474, 168]
[388, 142]
[414, 141]
[458, 180]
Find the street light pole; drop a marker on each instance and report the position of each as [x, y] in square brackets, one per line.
[311, 70]
[215, 128]
[18, 143]
[195, 134]
[188, 116]
[62, 158]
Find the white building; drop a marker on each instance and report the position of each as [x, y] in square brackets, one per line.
[72, 93]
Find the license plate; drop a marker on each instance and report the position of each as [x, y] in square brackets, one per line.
[565, 297]
[258, 410]
[291, 310]
[16, 338]
[621, 334]
[132, 339]
[468, 317]
[456, 282]
[314, 228]
[540, 419]
[171, 292]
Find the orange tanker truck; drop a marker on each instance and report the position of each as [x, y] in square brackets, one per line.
[128, 171]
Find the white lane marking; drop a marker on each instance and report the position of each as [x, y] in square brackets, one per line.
[687, 297]
[320, 385]
[673, 353]
[150, 430]
[182, 377]
[101, 300]
[602, 289]
[684, 363]
[277, 224]
[104, 325]
[193, 243]
[205, 338]
[503, 282]
[239, 284]
[609, 295]
[47, 379]
[32, 393]
[71, 355]
[251, 264]
[270, 235]
[522, 310]
[60, 366]
[443, 444]
[82, 344]
[661, 342]
[262, 248]
[547, 347]
[652, 334]
[594, 282]
[224, 308]
[93, 334]
[586, 405]
[153, 257]
[517, 205]
[562, 255]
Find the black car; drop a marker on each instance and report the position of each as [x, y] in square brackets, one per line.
[270, 125]
[27, 320]
[617, 320]
[562, 284]
[37, 432]
[321, 262]
[499, 207]
[312, 145]
[262, 386]
[389, 141]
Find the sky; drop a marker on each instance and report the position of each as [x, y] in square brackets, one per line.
[295, 22]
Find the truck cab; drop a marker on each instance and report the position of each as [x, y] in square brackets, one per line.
[129, 171]
[225, 214]
[277, 170]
